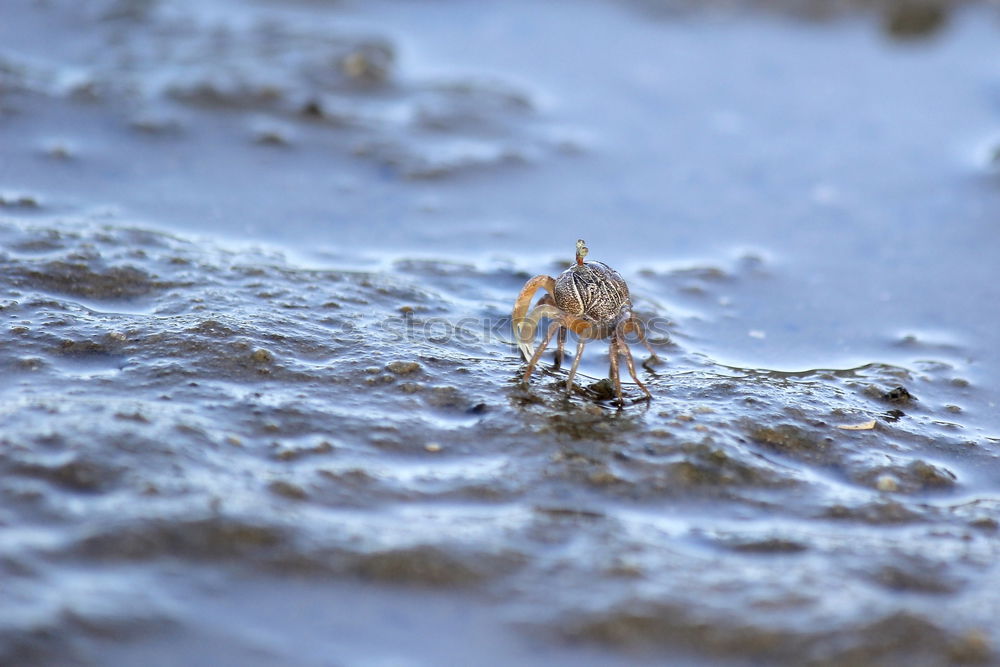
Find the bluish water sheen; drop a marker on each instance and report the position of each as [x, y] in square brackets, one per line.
[261, 403]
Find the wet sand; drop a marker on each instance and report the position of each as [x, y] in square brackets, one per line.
[261, 402]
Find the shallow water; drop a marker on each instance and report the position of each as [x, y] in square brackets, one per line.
[261, 404]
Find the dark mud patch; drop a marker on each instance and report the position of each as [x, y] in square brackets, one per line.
[918, 575]
[772, 545]
[215, 538]
[879, 641]
[794, 441]
[86, 280]
[78, 474]
[916, 476]
[432, 567]
[876, 512]
[61, 263]
[903, 20]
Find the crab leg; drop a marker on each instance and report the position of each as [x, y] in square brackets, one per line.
[538, 353]
[561, 343]
[615, 375]
[631, 370]
[576, 363]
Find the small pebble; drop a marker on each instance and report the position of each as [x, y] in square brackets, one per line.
[898, 395]
[887, 483]
[59, 151]
[312, 109]
[603, 478]
[272, 136]
[403, 367]
[261, 356]
[972, 647]
[288, 490]
[985, 523]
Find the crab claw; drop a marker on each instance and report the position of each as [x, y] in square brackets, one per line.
[524, 323]
[525, 329]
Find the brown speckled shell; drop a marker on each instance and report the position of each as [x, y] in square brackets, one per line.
[592, 290]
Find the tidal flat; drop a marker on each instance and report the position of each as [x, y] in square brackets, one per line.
[261, 403]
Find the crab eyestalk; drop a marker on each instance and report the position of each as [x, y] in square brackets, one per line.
[581, 251]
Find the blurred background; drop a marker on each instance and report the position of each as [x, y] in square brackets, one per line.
[229, 231]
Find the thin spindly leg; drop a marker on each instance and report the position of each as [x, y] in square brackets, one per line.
[636, 326]
[538, 353]
[615, 376]
[552, 312]
[576, 363]
[560, 344]
[631, 370]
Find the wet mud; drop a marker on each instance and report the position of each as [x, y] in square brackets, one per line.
[238, 422]
[218, 412]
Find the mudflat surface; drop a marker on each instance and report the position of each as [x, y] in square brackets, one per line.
[260, 403]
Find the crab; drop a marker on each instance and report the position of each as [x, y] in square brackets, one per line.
[592, 300]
